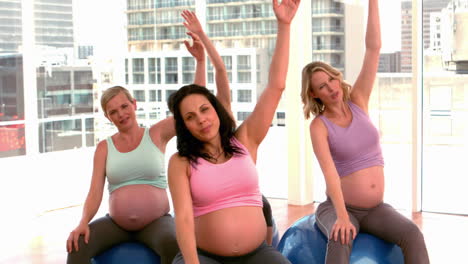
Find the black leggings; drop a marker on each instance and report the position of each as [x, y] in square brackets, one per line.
[263, 254]
[158, 235]
[267, 211]
[382, 221]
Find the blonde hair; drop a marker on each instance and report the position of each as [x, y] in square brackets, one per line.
[110, 93]
[312, 105]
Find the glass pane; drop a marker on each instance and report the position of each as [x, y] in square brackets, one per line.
[61, 135]
[12, 141]
[90, 138]
[12, 129]
[11, 87]
[445, 106]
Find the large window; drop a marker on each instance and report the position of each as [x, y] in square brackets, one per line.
[244, 73]
[244, 96]
[12, 140]
[445, 106]
[50, 97]
[171, 71]
[188, 70]
[138, 71]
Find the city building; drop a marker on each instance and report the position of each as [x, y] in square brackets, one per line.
[454, 35]
[429, 7]
[390, 62]
[53, 24]
[245, 35]
[328, 33]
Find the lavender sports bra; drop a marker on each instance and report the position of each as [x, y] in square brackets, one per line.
[355, 147]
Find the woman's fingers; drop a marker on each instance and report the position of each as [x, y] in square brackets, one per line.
[343, 234]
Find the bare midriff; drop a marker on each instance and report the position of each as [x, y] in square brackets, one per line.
[133, 207]
[232, 231]
[364, 188]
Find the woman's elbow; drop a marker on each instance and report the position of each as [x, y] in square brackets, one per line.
[374, 45]
[277, 85]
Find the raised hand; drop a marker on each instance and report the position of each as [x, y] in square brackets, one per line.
[286, 10]
[192, 23]
[196, 49]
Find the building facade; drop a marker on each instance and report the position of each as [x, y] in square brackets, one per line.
[53, 24]
[429, 7]
[243, 31]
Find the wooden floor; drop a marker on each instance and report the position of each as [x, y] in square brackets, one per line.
[41, 239]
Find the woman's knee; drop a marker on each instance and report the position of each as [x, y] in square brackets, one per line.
[82, 255]
[170, 248]
[412, 235]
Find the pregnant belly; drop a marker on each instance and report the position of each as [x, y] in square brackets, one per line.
[364, 188]
[232, 231]
[133, 207]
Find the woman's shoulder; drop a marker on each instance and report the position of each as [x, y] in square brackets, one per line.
[178, 166]
[318, 127]
[176, 158]
[102, 143]
[101, 149]
[316, 122]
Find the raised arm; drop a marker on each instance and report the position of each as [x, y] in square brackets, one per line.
[198, 52]
[164, 130]
[362, 88]
[343, 225]
[181, 199]
[93, 200]
[223, 93]
[254, 128]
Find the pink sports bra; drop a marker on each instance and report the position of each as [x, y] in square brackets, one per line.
[230, 184]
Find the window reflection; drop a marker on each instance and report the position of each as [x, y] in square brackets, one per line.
[11, 87]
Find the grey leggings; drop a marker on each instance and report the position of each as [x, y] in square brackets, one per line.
[383, 221]
[158, 235]
[263, 254]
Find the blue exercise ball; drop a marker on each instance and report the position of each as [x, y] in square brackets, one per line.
[127, 253]
[304, 243]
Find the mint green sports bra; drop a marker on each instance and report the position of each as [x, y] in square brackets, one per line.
[143, 165]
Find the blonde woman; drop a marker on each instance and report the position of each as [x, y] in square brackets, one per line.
[348, 150]
[132, 161]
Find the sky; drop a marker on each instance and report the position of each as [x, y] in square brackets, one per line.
[101, 24]
[101, 21]
[390, 25]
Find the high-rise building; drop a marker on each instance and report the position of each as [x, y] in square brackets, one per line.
[436, 28]
[53, 22]
[157, 63]
[453, 36]
[429, 6]
[390, 62]
[406, 36]
[328, 33]
[243, 31]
